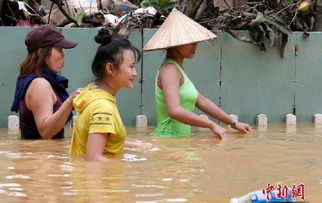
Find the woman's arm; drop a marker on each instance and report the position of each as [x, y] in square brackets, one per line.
[213, 110]
[170, 78]
[40, 99]
[95, 147]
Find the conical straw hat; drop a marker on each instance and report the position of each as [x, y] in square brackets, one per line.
[176, 30]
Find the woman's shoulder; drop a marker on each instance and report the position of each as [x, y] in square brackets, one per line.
[169, 68]
[40, 82]
[39, 90]
[101, 105]
[40, 86]
[168, 65]
[170, 71]
[100, 108]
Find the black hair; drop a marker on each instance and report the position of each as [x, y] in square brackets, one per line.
[110, 51]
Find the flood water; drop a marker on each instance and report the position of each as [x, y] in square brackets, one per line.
[200, 168]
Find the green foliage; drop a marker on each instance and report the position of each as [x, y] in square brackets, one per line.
[79, 17]
[272, 20]
[260, 26]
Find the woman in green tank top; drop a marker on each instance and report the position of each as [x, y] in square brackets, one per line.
[176, 96]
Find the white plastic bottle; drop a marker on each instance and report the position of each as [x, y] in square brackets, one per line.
[259, 197]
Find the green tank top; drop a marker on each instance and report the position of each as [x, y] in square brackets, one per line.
[166, 126]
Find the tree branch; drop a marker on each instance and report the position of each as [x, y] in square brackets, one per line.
[60, 6]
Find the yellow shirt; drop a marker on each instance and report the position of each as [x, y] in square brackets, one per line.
[97, 113]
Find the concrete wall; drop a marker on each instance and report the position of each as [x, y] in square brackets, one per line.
[237, 76]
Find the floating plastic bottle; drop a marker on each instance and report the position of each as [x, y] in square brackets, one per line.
[259, 197]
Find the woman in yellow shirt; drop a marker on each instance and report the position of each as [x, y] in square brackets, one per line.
[99, 133]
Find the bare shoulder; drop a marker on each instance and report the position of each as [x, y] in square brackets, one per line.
[41, 83]
[169, 76]
[38, 93]
[40, 86]
[170, 69]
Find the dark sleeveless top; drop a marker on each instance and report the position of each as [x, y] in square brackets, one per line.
[27, 121]
[28, 125]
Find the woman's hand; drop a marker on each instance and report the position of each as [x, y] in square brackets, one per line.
[69, 100]
[218, 130]
[242, 127]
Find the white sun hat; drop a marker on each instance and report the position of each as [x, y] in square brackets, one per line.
[176, 30]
